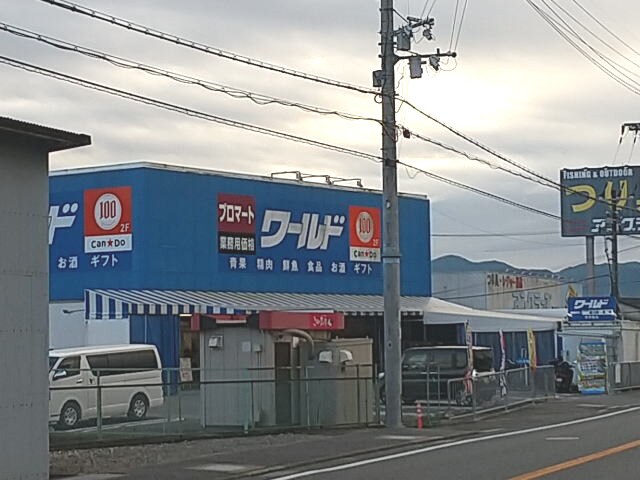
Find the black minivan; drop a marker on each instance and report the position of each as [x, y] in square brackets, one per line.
[426, 370]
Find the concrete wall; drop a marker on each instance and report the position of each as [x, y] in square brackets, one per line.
[451, 285]
[501, 291]
[24, 297]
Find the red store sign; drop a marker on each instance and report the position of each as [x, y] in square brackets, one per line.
[301, 320]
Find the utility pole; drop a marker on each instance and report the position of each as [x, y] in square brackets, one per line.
[385, 79]
[391, 229]
[614, 247]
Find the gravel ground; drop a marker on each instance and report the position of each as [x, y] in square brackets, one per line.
[123, 459]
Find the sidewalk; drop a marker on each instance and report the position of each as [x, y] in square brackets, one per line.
[257, 455]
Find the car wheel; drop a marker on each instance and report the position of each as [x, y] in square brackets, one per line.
[139, 406]
[69, 415]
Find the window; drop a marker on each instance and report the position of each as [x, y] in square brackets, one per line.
[483, 360]
[98, 363]
[69, 365]
[447, 359]
[123, 362]
[414, 360]
[52, 362]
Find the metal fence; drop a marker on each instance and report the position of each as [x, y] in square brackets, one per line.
[120, 404]
[623, 376]
[485, 392]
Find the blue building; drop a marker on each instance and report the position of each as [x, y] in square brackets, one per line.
[144, 252]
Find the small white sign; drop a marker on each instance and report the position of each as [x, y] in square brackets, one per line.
[108, 243]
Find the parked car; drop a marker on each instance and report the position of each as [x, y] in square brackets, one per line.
[427, 370]
[130, 377]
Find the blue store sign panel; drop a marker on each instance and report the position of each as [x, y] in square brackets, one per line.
[197, 230]
[90, 230]
[339, 240]
[594, 309]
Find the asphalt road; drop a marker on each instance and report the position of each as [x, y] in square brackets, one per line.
[571, 437]
[605, 448]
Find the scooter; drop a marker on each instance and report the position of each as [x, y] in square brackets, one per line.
[563, 375]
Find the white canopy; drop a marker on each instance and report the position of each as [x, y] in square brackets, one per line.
[438, 311]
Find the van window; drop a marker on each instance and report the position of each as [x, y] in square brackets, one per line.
[483, 360]
[447, 359]
[414, 360]
[122, 362]
[71, 365]
[52, 362]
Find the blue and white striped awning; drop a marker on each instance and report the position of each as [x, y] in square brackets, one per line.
[118, 304]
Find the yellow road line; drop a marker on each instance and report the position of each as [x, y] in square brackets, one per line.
[577, 461]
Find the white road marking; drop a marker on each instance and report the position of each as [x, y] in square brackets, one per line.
[409, 453]
[561, 439]
[223, 467]
[591, 405]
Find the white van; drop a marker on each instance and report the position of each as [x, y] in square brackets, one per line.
[130, 381]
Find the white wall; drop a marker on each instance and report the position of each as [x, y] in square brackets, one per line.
[68, 328]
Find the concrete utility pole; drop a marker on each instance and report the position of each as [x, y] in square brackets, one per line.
[385, 79]
[391, 229]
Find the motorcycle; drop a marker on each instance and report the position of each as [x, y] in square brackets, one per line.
[563, 376]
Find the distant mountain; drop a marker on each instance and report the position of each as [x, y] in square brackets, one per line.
[628, 273]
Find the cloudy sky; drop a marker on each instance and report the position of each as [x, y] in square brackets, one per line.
[516, 86]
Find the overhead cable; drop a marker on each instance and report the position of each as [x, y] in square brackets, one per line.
[473, 157]
[184, 110]
[233, 123]
[613, 71]
[135, 27]
[258, 98]
[535, 176]
[481, 192]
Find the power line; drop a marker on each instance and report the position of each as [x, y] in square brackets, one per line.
[481, 192]
[408, 133]
[284, 70]
[233, 123]
[186, 111]
[607, 29]
[616, 75]
[480, 145]
[258, 98]
[120, 22]
[589, 31]
[537, 177]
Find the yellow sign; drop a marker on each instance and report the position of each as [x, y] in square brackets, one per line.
[531, 341]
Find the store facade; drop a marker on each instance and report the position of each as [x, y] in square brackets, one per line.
[139, 251]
